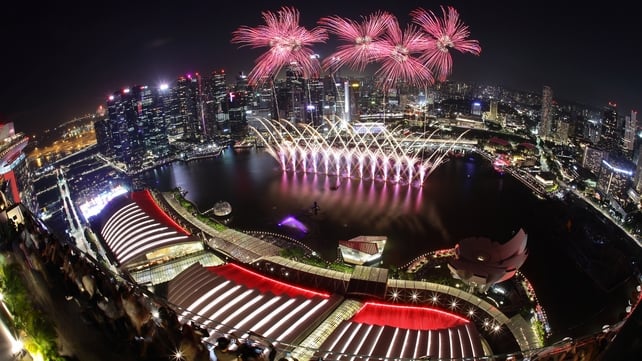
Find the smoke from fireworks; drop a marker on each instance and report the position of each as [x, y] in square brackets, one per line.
[449, 33]
[288, 43]
[362, 39]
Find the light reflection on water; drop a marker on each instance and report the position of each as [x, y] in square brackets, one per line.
[415, 219]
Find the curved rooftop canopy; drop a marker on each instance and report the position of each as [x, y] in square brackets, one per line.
[133, 226]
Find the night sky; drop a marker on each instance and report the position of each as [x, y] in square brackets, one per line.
[60, 61]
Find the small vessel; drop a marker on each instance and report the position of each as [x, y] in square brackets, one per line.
[244, 144]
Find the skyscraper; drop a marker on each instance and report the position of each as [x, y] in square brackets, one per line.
[630, 132]
[214, 98]
[615, 178]
[133, 131]
[546, 121]
[186, 109]
[611, 132]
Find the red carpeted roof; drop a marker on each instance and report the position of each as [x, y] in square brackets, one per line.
[146, 202]
[253, 280]
[407, 317]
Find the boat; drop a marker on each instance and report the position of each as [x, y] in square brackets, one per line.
[244, 144]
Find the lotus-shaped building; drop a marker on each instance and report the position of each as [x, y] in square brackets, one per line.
[481, 262]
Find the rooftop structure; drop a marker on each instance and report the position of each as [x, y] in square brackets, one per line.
[363, 249]
[134, 229]
[482, 262]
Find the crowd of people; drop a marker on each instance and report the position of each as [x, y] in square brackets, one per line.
[125, 312]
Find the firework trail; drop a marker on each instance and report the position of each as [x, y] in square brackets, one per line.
[398, 59]
[287, 42]
[449, 33]
[361, 38]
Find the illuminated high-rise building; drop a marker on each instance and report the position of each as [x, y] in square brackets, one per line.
[186, 109]
[563, 131]
[151, 119]
[291, 94]
[615, 179]
[593, 131]
[592, 159]
[331, 95]
[314, 104]
[630, 132]
[133, 131]
[546, 121]
[492, 114]
[476, 108]
[214, 99]
[611, 134]
[637, 180]
[236, 105]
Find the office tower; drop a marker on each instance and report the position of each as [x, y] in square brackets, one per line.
[331, 101]
[314, 105]
[214, 99]
[492, 114]
[263, 103]
[291, 95]
[346, 102]
[187, 117]
[546, 120]
[637, 180]
[134, 132]
[237, 104]
[563, 131]
[151, 119]
[630, 132]
[615, 179]
[592, 159]
[611, 133]
[14, 173]
[593, 131]
[476, 108]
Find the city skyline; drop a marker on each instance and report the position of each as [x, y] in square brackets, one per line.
[64, 62]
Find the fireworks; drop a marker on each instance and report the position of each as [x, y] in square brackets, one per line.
[362, 39]
[416, 55]
[449, 33]
[288, 43]
[397, 57]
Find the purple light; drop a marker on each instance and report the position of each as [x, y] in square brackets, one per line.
[292, 222]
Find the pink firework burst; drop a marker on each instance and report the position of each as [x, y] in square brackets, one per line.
[398, 59]
[287, 42]
[361, 37]
[449, 32]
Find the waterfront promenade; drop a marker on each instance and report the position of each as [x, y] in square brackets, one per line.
[250, 249]
[81, 336]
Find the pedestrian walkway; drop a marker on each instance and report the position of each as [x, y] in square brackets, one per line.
[79, 337]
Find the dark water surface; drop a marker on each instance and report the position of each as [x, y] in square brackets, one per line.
[581, 283]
